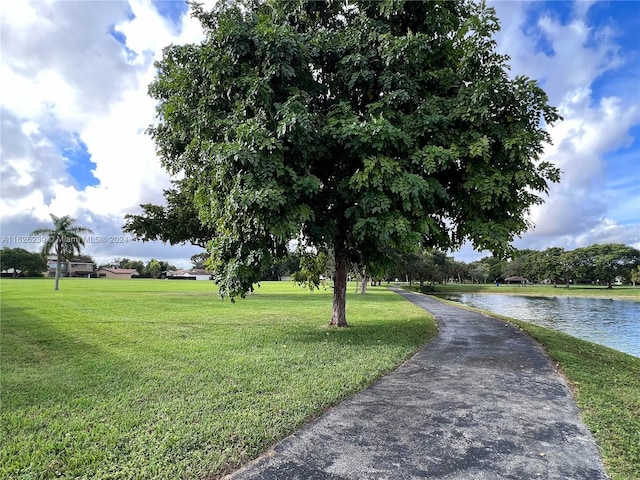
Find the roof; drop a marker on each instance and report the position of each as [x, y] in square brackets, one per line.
[199, 271]
[188, 273]
[52, 257]
[176, 272]
[120, 271]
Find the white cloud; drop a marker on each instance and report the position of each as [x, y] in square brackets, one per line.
[580, 204]
[63, 72]
[579, 54]
[572, 57]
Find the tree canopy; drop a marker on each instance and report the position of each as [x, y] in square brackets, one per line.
[175, 223]
[355, 127]
[607, 261]
[22, 262]
[594, 264]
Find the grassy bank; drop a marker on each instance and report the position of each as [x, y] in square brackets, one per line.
[161, 379]
[606, 386]
[620, 292]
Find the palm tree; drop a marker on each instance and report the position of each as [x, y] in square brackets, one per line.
[64, 237]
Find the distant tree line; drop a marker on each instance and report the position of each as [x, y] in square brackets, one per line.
[603, 264]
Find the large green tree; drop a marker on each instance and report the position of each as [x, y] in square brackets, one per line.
[606, 262]
[356, 127]
[479, 270]
[65, 239]
[555, 263]
[153, 268]
[22, 262]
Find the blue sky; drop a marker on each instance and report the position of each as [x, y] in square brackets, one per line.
[75, 109]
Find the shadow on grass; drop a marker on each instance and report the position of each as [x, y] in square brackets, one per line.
[43, 365]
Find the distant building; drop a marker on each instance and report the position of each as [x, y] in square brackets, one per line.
[117, 273]
[194, 274]
[70, 268]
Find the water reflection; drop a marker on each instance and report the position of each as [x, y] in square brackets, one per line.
[613, 323]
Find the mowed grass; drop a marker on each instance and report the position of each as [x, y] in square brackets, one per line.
[154, 379]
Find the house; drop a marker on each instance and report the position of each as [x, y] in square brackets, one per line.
[117, 273]
[194, 274]
[70, 268]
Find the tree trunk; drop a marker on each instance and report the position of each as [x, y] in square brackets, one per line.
[58, 261]
[365, 281]
[339, 315]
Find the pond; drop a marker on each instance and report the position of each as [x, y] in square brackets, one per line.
[612, 323]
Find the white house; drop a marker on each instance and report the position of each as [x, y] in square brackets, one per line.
[194, 274]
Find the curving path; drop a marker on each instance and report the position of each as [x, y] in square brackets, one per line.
[482, 401]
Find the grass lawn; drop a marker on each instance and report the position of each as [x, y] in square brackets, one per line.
[161, 379]
[605, 383]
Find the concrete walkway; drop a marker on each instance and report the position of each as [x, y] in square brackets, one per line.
[482, 401]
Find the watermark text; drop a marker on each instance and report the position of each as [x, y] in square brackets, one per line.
[88, 239]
